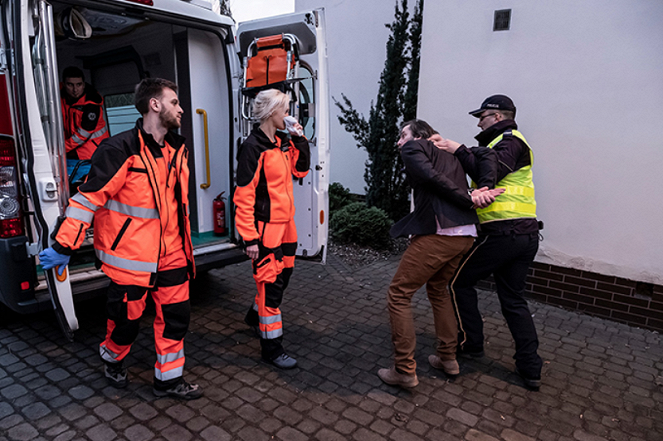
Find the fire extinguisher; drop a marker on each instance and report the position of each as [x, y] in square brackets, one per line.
[219, 215]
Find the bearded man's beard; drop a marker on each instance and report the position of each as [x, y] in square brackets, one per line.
[169, 122]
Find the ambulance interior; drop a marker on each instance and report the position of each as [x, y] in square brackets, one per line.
[116, 51]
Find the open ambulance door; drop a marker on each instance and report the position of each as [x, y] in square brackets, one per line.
[42, 139]
[305, 48]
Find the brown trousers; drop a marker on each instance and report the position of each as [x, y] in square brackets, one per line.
[432, 260]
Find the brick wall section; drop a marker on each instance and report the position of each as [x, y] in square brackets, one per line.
[618, 299]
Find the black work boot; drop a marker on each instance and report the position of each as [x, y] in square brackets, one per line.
[116, 374]
[183, 390]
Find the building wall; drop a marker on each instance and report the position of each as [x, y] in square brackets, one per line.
[356, 45]
[587, 80]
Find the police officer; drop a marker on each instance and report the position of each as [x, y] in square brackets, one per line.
[508, 239]
[137, 194]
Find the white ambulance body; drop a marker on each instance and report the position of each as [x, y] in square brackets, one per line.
[116, 43]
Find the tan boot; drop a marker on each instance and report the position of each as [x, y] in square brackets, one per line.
[394, 378]
[449, 367]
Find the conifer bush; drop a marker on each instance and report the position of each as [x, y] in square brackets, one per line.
[357, 223]
[339, 197]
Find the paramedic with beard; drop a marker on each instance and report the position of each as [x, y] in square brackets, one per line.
[137, 194]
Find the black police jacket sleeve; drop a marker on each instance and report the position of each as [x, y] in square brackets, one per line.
[480, 163]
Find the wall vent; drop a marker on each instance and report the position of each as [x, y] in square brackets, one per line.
[502, 20]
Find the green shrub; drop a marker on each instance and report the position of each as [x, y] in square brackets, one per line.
[339, 197]
[356, 223]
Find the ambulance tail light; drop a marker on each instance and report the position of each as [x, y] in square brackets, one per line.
[11, 223]
[143, 2]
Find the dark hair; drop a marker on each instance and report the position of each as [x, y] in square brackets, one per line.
[419, 128]
[150, 88]
[72, 72]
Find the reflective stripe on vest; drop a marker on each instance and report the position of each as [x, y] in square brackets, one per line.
[92, 135]
[129, 210]
[79, 142]
[517, 201]
[126, 264]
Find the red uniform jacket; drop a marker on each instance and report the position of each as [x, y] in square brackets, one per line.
[123, 195]
[84, 124]
[264, 180]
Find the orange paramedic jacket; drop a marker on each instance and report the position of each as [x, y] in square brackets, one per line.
[84, 124]
[264, 180]
[122, 195]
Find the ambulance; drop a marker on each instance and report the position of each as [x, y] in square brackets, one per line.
[116, 43]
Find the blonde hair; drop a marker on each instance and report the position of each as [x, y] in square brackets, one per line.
[267, 101]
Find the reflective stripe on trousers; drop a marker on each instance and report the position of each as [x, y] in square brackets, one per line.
[125, 307]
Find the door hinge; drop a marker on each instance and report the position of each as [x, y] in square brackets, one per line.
[32, 249]
[3, 60]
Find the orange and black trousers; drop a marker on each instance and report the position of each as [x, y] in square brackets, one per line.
[271, 271]
[125, 307]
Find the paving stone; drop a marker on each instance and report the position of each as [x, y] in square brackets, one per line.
[22, 432]
[512, 435]
[108, 411]
[461, 416]
[367, 435]
[81, 392]
[581, 435]
[252, 434]
[11, 421]
[35, 411]
[13, 391]
[214, 433]
[290, 434]
[138, 432]
[102, 432]
[5, 409]
[329, 435]
[176, 432]
[308, 426]
[143, 412]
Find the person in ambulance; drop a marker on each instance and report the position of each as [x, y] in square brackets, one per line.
[83, 117]
[137, 194]
[264, 216]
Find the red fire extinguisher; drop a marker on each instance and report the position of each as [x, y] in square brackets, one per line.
[219, 215]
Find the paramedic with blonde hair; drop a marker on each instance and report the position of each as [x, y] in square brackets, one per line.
[267, 162]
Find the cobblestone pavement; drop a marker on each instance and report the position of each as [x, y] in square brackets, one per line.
[601, 380]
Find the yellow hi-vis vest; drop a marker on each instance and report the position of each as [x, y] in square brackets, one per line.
[517, 201]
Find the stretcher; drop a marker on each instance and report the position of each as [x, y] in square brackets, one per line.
[271, 62]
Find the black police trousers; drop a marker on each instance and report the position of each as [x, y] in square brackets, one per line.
[508, 257]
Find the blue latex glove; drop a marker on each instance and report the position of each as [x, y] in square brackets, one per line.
[49, 258]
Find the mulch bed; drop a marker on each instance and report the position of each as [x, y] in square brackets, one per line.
[356, 256]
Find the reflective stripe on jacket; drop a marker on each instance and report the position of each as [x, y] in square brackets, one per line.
[84, 124]
[122, 194]
[518, 199]
[264, 180]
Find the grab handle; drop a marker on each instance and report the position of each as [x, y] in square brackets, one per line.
[204, 114]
